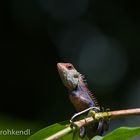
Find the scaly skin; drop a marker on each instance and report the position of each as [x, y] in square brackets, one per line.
[80, 96]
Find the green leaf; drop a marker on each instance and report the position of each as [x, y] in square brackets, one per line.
[97, 138]
[50, 130]
[122, 133]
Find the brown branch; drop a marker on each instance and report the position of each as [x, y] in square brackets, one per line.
[124, 113]
[97, 117]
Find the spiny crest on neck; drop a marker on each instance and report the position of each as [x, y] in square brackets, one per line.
[83, 78]
[88, 91]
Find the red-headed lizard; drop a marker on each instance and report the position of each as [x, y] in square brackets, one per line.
[81, 97]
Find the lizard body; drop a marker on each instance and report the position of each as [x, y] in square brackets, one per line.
[80, 95]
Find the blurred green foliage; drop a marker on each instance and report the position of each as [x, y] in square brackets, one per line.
[15, 124]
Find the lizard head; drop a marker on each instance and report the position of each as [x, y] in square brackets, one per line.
[69, 75]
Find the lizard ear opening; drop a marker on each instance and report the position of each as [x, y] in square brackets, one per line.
[76, 75]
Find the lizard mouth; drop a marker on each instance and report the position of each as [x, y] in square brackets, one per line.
[61, 70]
[59, 66]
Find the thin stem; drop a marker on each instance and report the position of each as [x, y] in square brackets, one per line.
[124, 113]
[59, 134]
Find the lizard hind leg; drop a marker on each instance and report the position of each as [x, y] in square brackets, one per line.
[100, 128]
[82, 132]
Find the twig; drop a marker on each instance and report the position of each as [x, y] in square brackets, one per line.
[60, 134]
[97, 117]
[124, 113]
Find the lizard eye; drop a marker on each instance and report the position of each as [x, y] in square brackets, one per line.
[69, 67]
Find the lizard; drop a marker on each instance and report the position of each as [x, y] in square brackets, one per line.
[81, 97]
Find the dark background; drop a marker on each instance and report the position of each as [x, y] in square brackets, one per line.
[100, 38]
